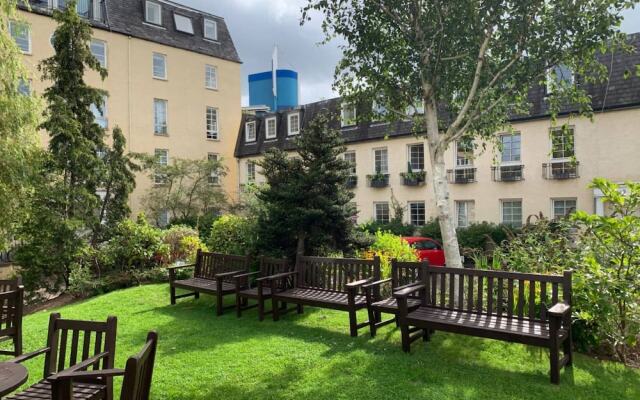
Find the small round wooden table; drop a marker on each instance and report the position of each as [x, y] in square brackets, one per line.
[12, 376]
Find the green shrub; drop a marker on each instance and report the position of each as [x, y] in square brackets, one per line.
[183, 243]
[231, 234]
[482, 235]
[137, 246]
[388, 246]
[395, 227]
[82, 282]
[431, 230]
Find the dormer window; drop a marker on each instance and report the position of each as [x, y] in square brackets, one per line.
[293, 124]
[558, 76]
[348, 114]
[210, 29]
[250, 131]
[153, 13]
[271, 127]
[183, 24]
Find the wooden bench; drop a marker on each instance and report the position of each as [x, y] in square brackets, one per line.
[495, 305]
[213, 274]
[334, 283]
[11, 312]
[256, 286]
[75, 345]
[403, 274]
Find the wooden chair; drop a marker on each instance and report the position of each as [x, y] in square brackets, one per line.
[213, 274]
[74, 345]
[507, 306]
[11, 312]
[260, 288]
[7, 285]
[137, 373]
[403, 274]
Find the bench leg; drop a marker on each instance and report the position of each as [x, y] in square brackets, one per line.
[353, 323]
[299, 309]
[372, 322]
[173, 295]
[196, 295]
[276, 309]
[238, 306]
[17, 344]
[219, 304]
[568, 349]
[554, 358]
[406, 339]
[426, 335]
[261, 309]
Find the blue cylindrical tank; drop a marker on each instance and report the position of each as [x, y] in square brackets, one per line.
[261, 89]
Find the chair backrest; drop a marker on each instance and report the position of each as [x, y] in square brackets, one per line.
[210, 264]
[333, 274]
[271, 266]
[7, 285]
[11, 310]
[73, 341]
[407, 272]
[496, 293]
[138, 372]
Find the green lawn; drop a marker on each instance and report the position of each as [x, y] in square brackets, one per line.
[311, 356]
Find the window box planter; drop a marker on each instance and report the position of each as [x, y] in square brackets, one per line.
[378, 180]
[352, 181]
[413, 178]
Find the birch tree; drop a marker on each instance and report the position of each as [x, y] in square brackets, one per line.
[463, 67]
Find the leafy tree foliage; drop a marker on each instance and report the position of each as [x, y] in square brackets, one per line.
[184, 188]
[461, 68]
[19, 119]
[305, 199]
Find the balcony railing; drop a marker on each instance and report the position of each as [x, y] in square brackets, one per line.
[507, 173]
[461, 175]
[90, 9]
[352, 182]
[561, 170]
[378, 180]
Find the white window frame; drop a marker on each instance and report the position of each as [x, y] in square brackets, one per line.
[564, 199]
[468, 160]
[511, 162]
[153, 66]
[146, 12]
[103, 120]
[166, 117]
[183, 19]
[375, 211]
[293, 132]
[344, 121]
[424, 209]
[354, 163]
[164, 219]
[207, 77]
[502, 220]
[251, 171]
[214, 178]
[212, 22]
[97, 10]
[268, 120]
[160, 179]
[13, 23]
[386, 163]
[213, 133]
[467, 212]
[105, 55]
[549, 78]
[570, 129]
[409, 155]
[24, 87]
[248, 126]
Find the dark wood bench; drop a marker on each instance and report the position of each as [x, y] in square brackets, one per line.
[137, 374]
[403, 274]
[11, 312]
[334, 283]
[256, 286]
[494, 305]
[75, 345]
[213, 274]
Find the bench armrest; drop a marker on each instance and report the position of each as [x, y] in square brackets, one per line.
[403, 293]
[357, 284]
[376, 283]
[175, 267]
[81, 366]
[559, 310]
[277, 276]
[406, 286]
[29, 356]
[101, 373]
[228, 274]
[246, 275]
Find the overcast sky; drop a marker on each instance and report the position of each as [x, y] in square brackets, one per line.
[257, 25]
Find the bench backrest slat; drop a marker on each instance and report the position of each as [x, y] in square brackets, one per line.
[495, 293]
[210, 264]
[333, 274]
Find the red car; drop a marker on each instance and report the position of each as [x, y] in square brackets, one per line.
[427, 249]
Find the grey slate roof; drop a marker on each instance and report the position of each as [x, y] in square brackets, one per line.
[127, 17]
[617, 93]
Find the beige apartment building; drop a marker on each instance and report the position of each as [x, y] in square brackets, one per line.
[537, 168]
[174, 78]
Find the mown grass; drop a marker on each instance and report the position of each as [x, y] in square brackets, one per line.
[311, 356]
